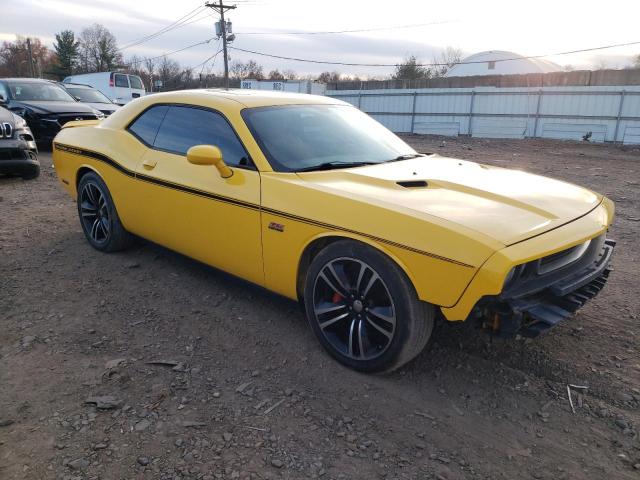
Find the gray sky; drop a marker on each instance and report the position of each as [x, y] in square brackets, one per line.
[528, 28]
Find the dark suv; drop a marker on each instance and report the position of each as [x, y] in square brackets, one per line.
[18, 152]
[45, 105]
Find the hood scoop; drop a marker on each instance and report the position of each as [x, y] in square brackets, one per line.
[413, 183]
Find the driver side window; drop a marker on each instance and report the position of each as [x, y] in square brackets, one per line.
[183, 127]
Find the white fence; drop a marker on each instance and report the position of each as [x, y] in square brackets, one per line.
[600, 114]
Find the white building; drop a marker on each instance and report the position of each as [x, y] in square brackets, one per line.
[499, 62]
[296, 86]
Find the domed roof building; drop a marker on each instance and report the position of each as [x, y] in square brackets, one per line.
[499, 62]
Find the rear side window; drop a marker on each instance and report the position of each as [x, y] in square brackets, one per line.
[121, 80]
[135, 82]
[145, 127]
[184, 127]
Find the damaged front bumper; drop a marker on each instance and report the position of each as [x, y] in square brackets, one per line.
[542, 293]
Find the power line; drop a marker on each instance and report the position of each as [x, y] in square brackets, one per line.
[171, 53]
[394, 27]
[180, 22]
[434, 64]
[204, 64]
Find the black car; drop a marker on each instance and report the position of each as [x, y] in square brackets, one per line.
[91, 96]
[18, 151]
[45, 105]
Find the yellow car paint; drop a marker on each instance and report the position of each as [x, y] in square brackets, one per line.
[456, 238]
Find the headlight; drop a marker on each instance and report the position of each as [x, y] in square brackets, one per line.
[21, 123]
[98, 114]
[21, 111]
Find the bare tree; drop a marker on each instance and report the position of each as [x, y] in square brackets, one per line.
[275, 75]
[329, 77]
[601, 64]
[14, 58]
[98, 50]
[169, 73]
[447, 59]
[290, 74]
[250, 69]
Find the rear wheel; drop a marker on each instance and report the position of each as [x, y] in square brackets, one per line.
[98, 216]
[363, 308]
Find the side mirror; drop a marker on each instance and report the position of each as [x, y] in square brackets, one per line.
[209, 155]
[3, 102]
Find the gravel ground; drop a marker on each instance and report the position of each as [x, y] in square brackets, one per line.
[145, 364]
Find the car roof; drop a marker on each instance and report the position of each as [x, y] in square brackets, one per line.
[247, 98]
[27, 80]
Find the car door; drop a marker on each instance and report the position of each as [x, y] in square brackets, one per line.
[191, 208]
[137, 87]
[121, 87]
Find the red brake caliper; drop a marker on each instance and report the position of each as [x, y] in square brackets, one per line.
[337, 298]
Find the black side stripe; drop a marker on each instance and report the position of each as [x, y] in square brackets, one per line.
[94, 155]
[372, 237]
[199, 193]
[193, 191]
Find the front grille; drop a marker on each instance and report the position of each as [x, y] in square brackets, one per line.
[561, 259]
[535, 275]
[6, 130]
[12, 154]
[62, 119]
[536, 311]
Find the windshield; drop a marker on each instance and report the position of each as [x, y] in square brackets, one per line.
[42, 92]
[88, 95]
[301, 137]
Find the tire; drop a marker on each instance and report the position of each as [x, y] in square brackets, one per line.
[363, 309]
[33, 172]
[98, 216]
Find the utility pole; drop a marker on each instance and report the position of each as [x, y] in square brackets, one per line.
[31, 69]
[220, 8]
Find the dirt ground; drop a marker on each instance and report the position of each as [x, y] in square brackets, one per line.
[199, 375]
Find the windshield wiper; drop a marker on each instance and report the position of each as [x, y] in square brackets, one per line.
[407, 156]
[334, 165]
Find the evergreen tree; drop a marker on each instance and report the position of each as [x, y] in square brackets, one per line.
[411, 70]
[66, 47]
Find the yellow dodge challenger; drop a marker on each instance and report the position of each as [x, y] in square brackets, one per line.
[313, 199]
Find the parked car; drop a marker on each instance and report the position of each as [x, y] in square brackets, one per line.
[119, 87]
[313, 199]
[92, 97]
[18, 151]
[45, 105]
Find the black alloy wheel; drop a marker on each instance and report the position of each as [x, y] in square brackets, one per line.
[354, 309]
[94, 213]
[364, 309]
[98, 216]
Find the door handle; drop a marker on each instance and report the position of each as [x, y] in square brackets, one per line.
[149, 163]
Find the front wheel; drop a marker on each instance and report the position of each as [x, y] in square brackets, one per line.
[363, 308]
[98, 216]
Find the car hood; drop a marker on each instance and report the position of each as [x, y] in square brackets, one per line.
[506, 205]
[103, 107]
[6, 116]
[54, 107]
